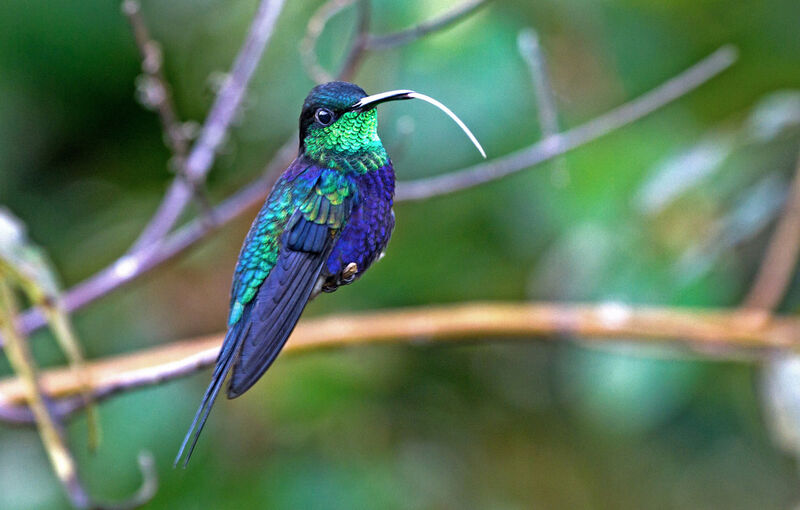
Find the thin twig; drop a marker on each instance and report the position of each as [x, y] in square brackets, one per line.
[316, 25]
[780, 258]
[29, 272]
[364, 41]
[146, 491]
[352, 61]
[133, 266]
[706, 332]
[531, 51]
[200, 159]
[62, 409]
[551, 146]
[47, 416]
[49, 427]
[156, 249]
[409, 35]
[159, 94]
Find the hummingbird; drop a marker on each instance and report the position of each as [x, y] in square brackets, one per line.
[327, 219]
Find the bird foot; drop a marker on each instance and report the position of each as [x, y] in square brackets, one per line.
[349, 273]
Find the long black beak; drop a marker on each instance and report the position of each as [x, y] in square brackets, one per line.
[365, 103]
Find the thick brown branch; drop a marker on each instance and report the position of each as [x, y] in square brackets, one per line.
[780, 258]
[712, 333]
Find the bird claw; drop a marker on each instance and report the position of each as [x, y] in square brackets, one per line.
[349, 273]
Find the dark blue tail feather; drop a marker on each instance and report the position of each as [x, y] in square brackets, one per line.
[225, 361]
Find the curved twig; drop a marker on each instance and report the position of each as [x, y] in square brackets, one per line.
[46, 415]
[409, 35]
[316, 25]
[358, 49]
[145, 493]
[364, 41]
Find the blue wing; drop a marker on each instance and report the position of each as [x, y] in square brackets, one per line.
[268, 314]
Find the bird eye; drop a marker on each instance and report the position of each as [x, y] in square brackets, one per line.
[324, 116]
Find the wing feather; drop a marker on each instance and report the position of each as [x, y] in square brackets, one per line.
[274, 280]
[275, 312]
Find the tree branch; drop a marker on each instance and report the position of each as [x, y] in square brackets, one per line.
[316, 25]
[364, 41]
[409, 35]
[780, 258]
[158, 92]
[50, 429]
[707, 332]
[352, 61]
[134, 265]
[531, 51]
[199, 161]
[551, 146]
[39, 410]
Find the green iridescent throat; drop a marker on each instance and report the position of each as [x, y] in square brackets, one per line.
[350, 144]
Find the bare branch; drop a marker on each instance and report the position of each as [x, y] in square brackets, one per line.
[151, 248]
[50, 429]
[160, 94]
[354, 57]
[316, 25]
[556, 145]
[62, 410]
[709, 333]
[134, 265]
[531, 51]
[364, 41]
[780, 258]
[199, 161]
[409, 35]
[43, 413]
[146, 491]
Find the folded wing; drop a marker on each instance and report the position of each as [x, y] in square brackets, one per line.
[264, 315]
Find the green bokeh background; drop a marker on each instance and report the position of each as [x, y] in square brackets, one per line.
[534, 424]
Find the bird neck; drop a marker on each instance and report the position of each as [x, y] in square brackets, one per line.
[351, 144]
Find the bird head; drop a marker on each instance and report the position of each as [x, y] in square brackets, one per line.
[339, 120]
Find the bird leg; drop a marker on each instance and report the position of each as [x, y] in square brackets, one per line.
[349, 273]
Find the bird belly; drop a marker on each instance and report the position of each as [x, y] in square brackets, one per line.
[365, 235]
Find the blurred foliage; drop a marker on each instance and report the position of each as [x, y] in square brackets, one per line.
[673, 210]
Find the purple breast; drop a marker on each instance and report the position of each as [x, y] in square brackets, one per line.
[370, 225]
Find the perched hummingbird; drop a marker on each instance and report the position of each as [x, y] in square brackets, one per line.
[327, 219]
